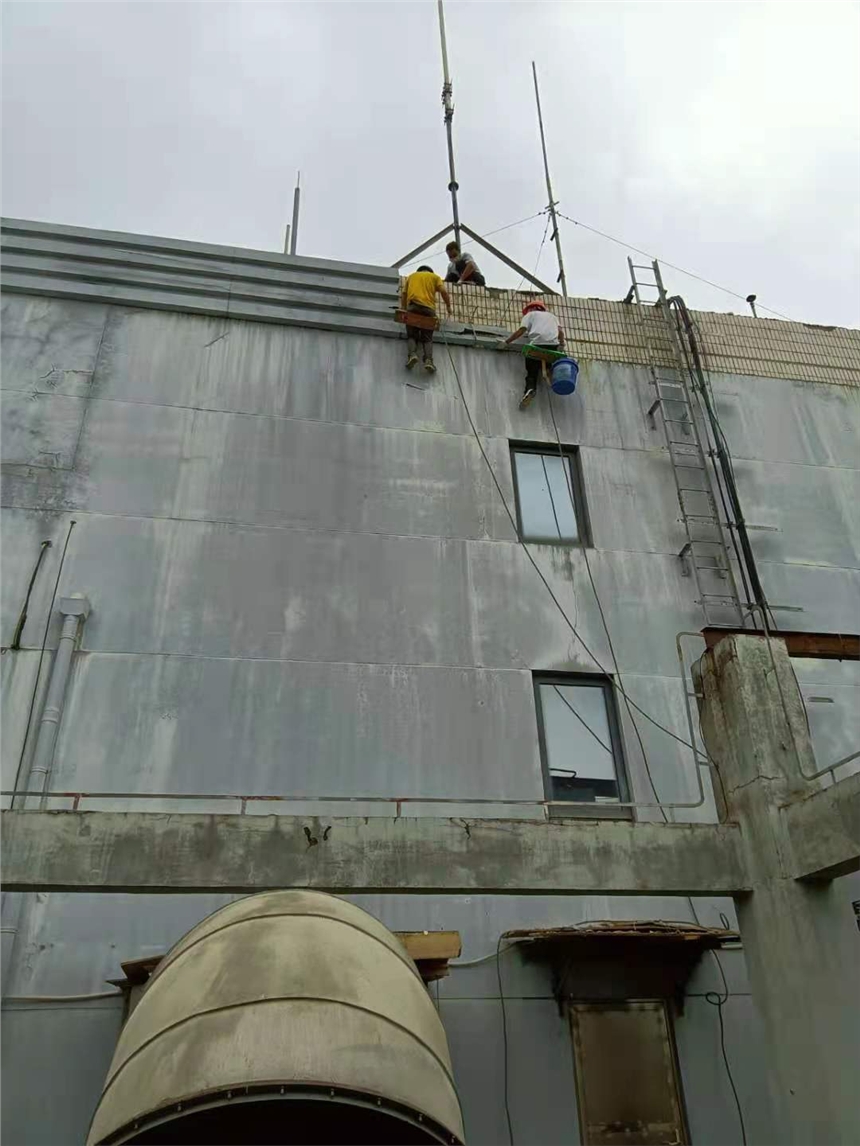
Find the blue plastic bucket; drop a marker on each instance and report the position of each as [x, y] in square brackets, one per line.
[564, 373]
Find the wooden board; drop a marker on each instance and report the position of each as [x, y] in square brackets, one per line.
[431, 944]
[430, 950]
[548, 356]
[822, 646]
[422, 321]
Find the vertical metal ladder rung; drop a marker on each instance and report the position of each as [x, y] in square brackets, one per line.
[671, 385]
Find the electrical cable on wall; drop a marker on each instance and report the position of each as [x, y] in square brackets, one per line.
[719, 1001]
[700, 375]
[687, 339]
[537, 568]
[504, 1038]
[37, 681]
[706, 380]
[600, 609]
[25, 608]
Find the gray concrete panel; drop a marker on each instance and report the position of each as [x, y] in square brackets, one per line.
[19, 671]
[541, 1091]
[771, 419]
[711, 1110]
[812, 508]
[630, 495]
[819, 599]
[824, 830]
[40, 429]
[68, 1048]
[608, 408]
[49, 345]
[165, 724]
[163, 462]
[252, 368]
[281, 595]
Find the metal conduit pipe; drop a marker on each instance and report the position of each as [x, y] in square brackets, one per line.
[74, 611]
[722, 457]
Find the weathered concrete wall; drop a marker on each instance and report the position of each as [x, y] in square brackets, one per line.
[801, 944]
[303, 584]
[119, 851]
[278, 537]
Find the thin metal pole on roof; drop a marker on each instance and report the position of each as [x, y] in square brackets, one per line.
[293, 231]
[555, 233]
[448, 104]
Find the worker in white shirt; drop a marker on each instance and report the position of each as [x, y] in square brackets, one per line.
[543, 330]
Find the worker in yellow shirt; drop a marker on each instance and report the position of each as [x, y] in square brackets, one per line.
[419, 297]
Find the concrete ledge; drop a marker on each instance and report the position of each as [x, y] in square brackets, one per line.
[824, 831]
[161, 852]
[197, 278]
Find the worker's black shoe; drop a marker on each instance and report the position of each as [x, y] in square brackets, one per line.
[411, 361]
[527, 397]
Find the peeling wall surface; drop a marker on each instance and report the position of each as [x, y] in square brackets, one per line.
[304, 584]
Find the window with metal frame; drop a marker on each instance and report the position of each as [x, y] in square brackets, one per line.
[543, 483]
[580, 739]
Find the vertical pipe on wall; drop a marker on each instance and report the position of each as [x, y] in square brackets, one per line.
[74, 611]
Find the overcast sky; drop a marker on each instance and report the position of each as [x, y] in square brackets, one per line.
[723, 137]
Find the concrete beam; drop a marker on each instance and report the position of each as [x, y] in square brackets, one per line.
[799, 944]
[162, 852]
[824, 831]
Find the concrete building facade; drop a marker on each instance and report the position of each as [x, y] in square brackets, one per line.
[308, 601]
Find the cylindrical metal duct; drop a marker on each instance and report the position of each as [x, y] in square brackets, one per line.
[287, 1017]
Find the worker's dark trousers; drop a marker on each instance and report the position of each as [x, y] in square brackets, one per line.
[533, 366]
[416, 335]
[477, 279]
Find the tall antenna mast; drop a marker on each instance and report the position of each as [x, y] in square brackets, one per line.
[555, 235]
[294, 232]
[448, 104]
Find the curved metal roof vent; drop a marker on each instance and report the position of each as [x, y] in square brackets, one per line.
[287, 1017]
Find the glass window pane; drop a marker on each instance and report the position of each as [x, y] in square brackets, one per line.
[581, 763]
[546, 512]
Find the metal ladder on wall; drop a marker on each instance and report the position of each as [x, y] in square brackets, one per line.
[705, 555]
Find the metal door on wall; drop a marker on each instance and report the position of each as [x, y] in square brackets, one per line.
[627, 1080]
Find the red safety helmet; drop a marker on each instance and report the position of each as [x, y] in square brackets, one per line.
[533, 306]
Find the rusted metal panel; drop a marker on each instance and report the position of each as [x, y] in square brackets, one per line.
[626, 1075]
[823, 646]
[647, 929]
